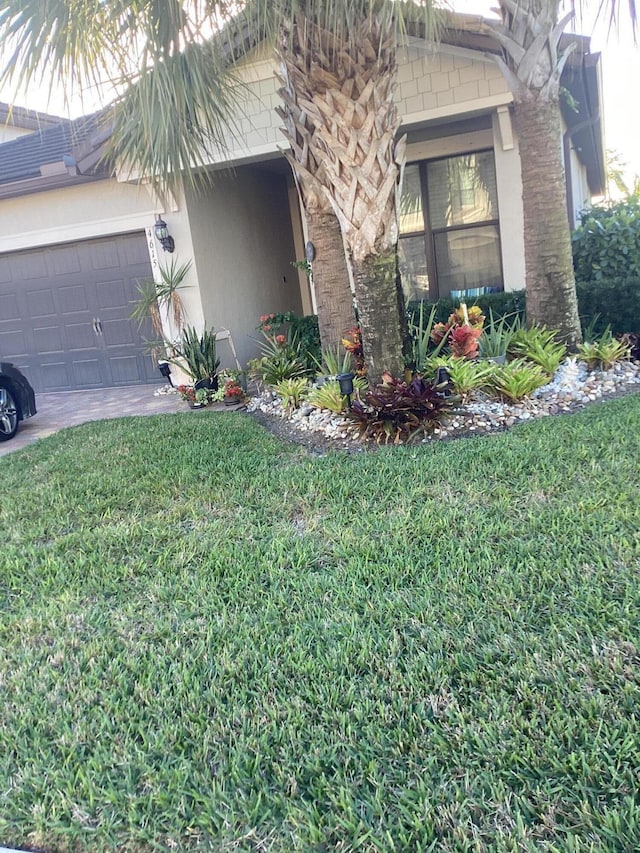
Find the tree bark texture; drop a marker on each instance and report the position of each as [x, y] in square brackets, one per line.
[550, 283]
[342, 125]
[379, 310]
[334, 300]
[332, 290]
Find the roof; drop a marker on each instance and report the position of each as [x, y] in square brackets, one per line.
[27, 119]
[59, 155]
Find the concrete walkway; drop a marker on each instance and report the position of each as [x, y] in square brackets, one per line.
[69, 408]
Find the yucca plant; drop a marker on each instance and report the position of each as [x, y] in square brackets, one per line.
[163, 295]
[517, 379]
[423, 344]
[497, 335]
[604, 352]
[292, 391]
[335, 360]
[539, 345]
[196, 354]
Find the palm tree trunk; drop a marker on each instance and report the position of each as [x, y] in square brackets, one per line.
[341, 121]
[380, 313]
[551, 293]
[334, 300]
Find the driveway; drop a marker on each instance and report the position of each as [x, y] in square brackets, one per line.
[69, 408]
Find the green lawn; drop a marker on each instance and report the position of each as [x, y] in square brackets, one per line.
[211, 641]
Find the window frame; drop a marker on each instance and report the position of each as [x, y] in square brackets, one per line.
[429, 233]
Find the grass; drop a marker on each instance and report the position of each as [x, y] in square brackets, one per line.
[210, 641]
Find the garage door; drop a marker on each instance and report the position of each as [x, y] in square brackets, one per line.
[64, 314]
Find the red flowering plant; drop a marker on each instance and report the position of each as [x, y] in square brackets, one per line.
[187, 392]
[232, 389]
[464, 329]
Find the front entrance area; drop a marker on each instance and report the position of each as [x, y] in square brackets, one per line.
[64, 314]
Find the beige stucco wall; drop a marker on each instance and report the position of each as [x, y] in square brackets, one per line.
[243, 249]
[96, 209]
[447, 81]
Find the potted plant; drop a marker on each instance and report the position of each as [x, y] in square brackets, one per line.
[233, 393]
[196, 354]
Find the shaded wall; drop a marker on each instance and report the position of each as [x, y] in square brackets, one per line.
[243, 249]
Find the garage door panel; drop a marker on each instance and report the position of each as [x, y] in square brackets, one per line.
[125, 370]
[54, 376]
[41, 303]
[80, 336]
[105, 256]
[5, 272]
[29, 267]
[71, 328]
[48, 339]
[9, 309]
[72, 299]
[88, 373]
[13, 345]
[65, 260]
[111, 294]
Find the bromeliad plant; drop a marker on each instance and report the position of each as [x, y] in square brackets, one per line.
[281, 359]
[328, 396]
[398, 412]
[465, 375]
[292, 392]
[539, 345]
[604, 352]
[517, 379]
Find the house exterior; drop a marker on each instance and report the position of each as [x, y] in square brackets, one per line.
[76, 240]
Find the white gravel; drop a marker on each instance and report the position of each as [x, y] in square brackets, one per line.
[572, 387]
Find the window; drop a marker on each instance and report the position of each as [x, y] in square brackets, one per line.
[449, 230]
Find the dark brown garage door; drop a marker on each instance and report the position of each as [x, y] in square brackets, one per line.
[64, 314]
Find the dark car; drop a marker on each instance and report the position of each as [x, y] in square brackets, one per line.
[17, 400]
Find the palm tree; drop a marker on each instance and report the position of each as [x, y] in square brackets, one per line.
[530, 33]
[176, 103]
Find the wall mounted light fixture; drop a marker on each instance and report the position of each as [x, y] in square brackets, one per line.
[163, 236]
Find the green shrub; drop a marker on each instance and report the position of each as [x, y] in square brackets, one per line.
[500, 304]
[303, 330]
[612, 302]
[606, 245]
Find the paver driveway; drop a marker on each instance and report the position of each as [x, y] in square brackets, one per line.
[69, 408]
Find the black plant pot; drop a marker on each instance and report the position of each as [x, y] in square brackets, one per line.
[211, 383]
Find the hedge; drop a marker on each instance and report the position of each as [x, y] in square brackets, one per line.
[608, 302]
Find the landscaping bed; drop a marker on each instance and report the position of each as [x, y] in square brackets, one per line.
[211, 640]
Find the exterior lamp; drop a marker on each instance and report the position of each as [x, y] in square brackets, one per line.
[345, 380]
[442, 382]
[165, 370]
[163, 236]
